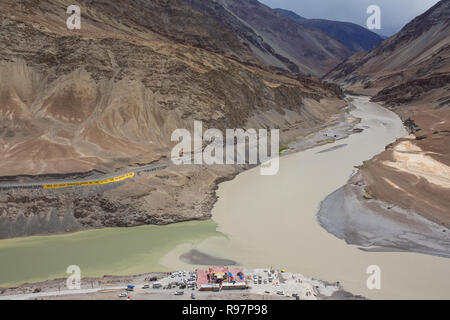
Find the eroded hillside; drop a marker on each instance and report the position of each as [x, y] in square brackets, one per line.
[410, 73]
[108, 96]
[114, 91]
[411, 66]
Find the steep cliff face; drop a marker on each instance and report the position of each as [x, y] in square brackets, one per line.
[112, 93]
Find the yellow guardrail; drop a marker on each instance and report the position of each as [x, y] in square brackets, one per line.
[89, 183]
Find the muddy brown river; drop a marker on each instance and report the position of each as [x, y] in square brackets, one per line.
[259, 221]
[271, 220]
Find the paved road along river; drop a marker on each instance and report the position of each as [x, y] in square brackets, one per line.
[261, 221]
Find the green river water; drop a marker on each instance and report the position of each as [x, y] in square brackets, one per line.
[97, 252]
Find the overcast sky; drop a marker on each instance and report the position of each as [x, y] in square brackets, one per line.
[394, 13]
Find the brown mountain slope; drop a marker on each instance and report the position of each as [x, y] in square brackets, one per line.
[407, 66]
[112, 93]
[311, 50]
[410, 73]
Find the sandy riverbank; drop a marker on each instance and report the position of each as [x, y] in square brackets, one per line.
[351, 214]
[400, 199]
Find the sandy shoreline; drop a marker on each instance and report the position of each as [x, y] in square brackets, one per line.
[399, 199]
[349, 214]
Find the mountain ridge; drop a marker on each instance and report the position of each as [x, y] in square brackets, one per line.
[420, 50]
[353, 36]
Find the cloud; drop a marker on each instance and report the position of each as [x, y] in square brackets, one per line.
[394, 13]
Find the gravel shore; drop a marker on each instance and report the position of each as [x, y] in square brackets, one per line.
[350, 214]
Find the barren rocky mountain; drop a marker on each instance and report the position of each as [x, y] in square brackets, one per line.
[116, 89]
[411, 65]
[312, 51]
[351, 35]
[410, 73]
[108, 96]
